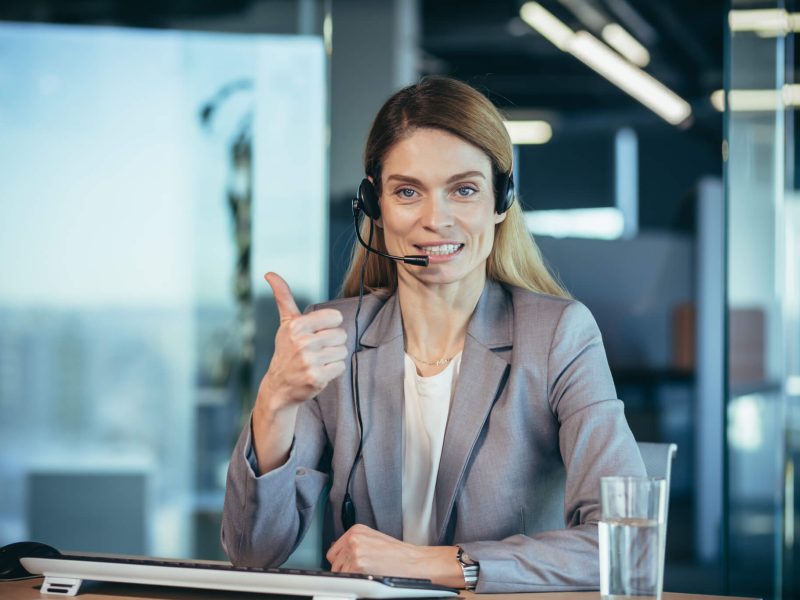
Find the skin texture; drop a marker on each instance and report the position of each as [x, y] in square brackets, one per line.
[435, 189]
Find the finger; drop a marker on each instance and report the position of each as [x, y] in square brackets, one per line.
[332, 370]
[287, 307]
[338, 565]
[347, 567]
[329, 355]
[334, 551]
[317, 320]
[327, 338]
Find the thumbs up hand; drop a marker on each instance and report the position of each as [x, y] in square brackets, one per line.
[309, 353]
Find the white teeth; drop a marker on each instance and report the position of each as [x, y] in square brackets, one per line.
[442, 250]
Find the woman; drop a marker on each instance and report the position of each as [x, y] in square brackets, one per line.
[488, 410]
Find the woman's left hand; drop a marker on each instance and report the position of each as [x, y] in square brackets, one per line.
[363, 550]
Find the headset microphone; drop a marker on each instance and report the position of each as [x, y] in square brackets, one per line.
[420, 260]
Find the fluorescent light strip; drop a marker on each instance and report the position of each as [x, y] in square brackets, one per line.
[595, 223]
[546, 24]
[774, 20]
[627, 45]
[758, 100]
[596, 55]
[529, 132]
[768, 22]
[642, 86]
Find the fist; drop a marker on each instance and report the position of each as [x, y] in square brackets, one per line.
[309, 353]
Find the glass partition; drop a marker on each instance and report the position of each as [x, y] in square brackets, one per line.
[762, 301]
[149, 179]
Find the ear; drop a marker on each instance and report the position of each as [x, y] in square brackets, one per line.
[500, 218]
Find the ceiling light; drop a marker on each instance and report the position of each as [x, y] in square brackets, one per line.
[718, 100]
[546, 24]
[596, 55]
[758, 100]
[768, 20]
[529, 132]
[633, 21]
[627, 45]
[642, 86]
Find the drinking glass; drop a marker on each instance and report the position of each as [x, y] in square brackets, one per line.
[632, 537]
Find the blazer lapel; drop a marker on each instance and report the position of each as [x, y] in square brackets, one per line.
[480, 382]
[380, 383]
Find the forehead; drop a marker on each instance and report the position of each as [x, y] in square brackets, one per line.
[432, 153]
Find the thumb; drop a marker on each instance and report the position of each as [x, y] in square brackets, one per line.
[287, 308]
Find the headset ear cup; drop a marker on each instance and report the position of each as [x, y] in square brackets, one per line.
[505, 193]
[368, 199]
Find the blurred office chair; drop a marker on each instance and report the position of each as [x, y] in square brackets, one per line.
[657, 460]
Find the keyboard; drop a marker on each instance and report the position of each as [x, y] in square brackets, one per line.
[64, 575]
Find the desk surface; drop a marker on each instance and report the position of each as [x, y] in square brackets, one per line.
[29, 590]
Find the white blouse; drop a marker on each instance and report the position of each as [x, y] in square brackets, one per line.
[426, 407]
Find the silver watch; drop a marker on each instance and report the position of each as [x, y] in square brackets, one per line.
[469, 567]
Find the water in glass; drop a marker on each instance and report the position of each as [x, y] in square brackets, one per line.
[630, 564]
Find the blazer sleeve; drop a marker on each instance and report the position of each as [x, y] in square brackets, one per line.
[594, 441]
[265, 517]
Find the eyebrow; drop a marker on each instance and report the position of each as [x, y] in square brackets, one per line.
[456, 177]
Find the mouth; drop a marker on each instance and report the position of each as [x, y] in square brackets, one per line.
[440, 250]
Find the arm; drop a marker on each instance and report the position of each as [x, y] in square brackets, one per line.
[266, 516]
[274, 478]
[594, 440]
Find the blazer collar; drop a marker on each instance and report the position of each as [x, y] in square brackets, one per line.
[481, 381]
[492, 323]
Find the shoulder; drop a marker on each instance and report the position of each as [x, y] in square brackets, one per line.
[536, 309]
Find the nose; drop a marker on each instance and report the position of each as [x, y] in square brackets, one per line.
[436, 212]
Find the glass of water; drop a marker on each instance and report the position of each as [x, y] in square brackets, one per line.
[632, 537]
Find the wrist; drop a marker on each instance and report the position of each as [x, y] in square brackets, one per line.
[270, 402]
[437, 563]
[469, 569]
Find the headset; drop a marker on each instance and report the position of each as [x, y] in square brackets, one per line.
[366, 201]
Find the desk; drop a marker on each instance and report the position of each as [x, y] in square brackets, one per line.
[29, 590]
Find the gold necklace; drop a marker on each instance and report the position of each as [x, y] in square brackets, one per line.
[437, 363]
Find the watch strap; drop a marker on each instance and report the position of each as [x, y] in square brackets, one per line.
[469, 567]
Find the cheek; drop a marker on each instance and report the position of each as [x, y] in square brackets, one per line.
[483, 227]
[393, 227]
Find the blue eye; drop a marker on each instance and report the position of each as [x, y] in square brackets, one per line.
[465, 191]
[406, 192]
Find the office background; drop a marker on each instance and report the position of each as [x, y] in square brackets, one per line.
[157, 158]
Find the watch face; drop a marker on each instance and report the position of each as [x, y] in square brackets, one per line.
[465, 558]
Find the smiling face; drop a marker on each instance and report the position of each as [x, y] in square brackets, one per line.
[437, 199]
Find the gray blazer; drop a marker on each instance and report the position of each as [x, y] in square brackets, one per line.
[534, 423]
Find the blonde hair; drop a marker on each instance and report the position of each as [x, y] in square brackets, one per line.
[455, 107]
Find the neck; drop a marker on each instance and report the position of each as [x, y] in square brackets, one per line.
[435, 317]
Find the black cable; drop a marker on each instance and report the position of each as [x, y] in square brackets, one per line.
[421, 260]
[348, 508]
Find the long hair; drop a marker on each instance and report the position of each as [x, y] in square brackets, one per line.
[455, 107]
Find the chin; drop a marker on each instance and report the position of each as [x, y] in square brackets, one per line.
[443, 275]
